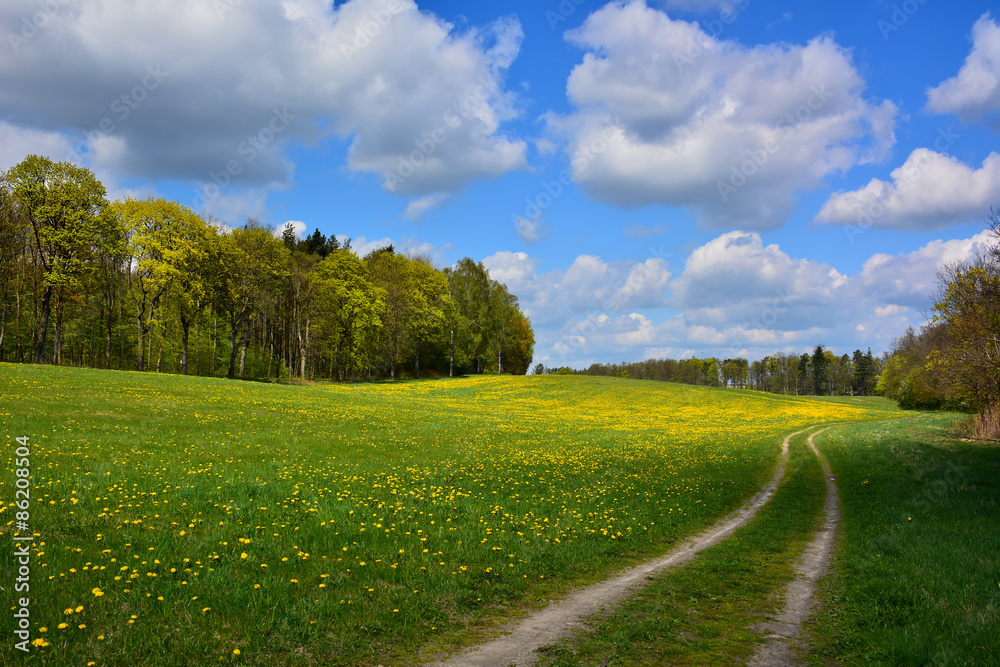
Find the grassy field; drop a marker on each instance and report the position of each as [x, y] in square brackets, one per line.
[707, 612]
[917, 578]
[194, 520]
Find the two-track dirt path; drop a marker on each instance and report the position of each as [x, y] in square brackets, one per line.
[786, 627]
[522, 638]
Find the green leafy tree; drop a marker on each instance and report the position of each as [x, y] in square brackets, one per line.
[819, 364]
[13, 249]
[469, 289]
[301, 284]
[520, 347]
[502, 306]
[351, 311]
[191, 287]
[66, 209]
[253, 263]
[431, 307]
[391, 273]
[109, 275]
[968, 307]
[165, 246]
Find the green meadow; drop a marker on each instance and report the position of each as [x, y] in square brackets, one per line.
[196, 520]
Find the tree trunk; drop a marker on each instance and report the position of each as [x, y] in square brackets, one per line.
[149, 338]
[3, 327]
[197, 345]
[243, 349]
[270, 349]
[17, 326]
[303, 348]
[451, 359]
[149, 332]
[215, 338]
[234, 331]
[121, 339]
[107, 336]
[57, 339]
[140, 329]
[43, 326]
[185, 327]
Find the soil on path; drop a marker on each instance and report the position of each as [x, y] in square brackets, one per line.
[522, 638]
[784, 643]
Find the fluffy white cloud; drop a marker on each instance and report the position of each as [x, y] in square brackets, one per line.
[529, 231]
[974, 92]
[735, 296]
[236, 205]
[216, 92]
[930, 191]
[735, 268]
[910, 279]
[418, 207]
[17, 142]
[298, 229]
[588, 284]
[668, 114]
[409, 245]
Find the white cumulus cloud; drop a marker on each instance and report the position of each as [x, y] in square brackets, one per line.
[973, 93]
[668, 114]
[929, 191]
[416, 209]
[216, 93]
[735, 296]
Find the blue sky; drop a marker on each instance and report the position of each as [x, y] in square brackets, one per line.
[659, 178]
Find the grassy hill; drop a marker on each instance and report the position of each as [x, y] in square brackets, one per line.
[186, 519]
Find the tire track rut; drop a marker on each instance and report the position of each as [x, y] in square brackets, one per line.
[784, 641]
[522, 638]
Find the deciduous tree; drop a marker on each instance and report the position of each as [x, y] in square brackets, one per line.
[66, 208]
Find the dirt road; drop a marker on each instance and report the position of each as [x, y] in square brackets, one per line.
[518, 644]
[783, 642]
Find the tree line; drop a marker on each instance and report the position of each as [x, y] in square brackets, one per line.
[151, 285]
[953, 362]
[821, 373]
